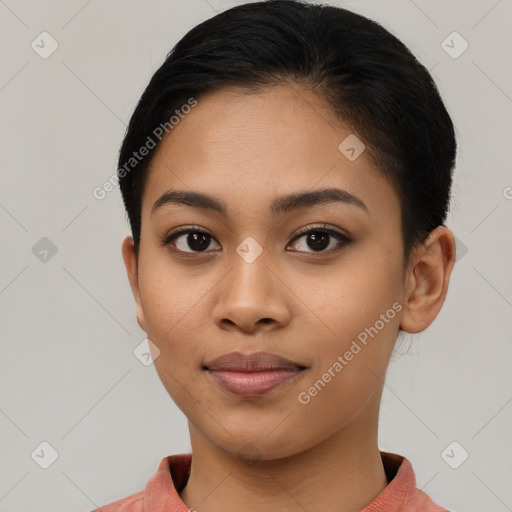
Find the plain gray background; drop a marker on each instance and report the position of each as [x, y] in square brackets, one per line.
[68, 374]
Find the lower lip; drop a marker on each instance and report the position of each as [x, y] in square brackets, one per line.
[249, 384]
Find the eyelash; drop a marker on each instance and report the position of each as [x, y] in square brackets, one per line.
[343, 240]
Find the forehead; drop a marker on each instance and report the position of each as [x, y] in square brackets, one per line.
[248, 148]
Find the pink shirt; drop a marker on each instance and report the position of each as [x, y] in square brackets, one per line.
[161, 492]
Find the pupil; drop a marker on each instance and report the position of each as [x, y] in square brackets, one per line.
[195, 244]
[320, 239]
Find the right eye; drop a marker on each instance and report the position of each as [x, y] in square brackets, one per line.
[195, 239]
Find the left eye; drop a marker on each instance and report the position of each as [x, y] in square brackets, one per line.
[318, 239]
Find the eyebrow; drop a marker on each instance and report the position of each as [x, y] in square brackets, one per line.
[279, 206]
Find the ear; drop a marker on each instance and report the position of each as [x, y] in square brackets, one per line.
[427, 279]
[130, 262]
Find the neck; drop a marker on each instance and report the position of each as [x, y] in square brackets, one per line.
[344, 472]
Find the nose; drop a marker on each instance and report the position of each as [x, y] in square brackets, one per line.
[251, 298]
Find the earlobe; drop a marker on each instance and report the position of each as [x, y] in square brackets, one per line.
[427, 280]
[128, 252]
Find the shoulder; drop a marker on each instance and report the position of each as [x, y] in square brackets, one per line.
[132, 503]
[421, 502]
[402, 494]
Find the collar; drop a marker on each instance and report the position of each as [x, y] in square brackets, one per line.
[162, 490]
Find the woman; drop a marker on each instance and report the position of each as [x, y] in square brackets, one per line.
[286, 175]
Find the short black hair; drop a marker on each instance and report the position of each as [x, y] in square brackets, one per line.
[372, 81]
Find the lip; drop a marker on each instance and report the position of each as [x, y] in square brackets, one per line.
[255, 362]
[251, 375]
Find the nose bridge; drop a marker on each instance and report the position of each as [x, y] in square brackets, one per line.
[251, 291]
[251, 277]
[251, 273]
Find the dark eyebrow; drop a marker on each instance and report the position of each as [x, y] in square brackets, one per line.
[280, 205]
[324, 196]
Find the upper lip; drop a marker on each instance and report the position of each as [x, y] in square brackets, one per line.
[257, 361]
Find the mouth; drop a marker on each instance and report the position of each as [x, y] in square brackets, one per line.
[252, 375]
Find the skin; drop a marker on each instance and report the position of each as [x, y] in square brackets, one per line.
[273, 451]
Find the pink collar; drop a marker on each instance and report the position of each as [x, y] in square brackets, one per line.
[162, 490]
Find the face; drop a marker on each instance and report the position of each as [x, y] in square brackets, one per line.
[318, 282]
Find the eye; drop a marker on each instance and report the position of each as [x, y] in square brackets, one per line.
[191, 239]
[319, 238]
[196, 239]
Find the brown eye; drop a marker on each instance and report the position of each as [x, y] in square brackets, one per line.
[196, 241]
[189, 240]
[318, 239]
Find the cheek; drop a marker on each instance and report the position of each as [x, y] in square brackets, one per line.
[174, 316]
[360, 319]
[352, 296]
[174, 311]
